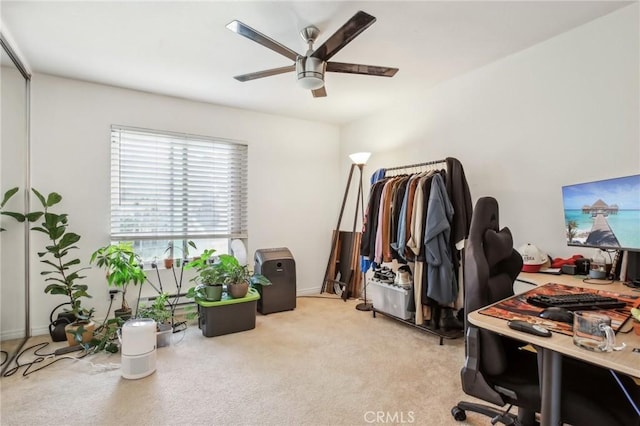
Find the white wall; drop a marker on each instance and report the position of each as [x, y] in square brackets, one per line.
[292, 200]
[562, 112]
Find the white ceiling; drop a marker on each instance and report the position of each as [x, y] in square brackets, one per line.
[183, 49]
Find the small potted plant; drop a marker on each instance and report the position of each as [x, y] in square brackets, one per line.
[171, 260]
[210, 277]
[168, 260]
[81, 330]
[237, 277]
[123, 268]
[162, 316]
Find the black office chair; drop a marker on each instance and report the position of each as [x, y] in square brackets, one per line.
[496, 369]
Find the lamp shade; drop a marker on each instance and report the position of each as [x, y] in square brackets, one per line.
[310, 72]
[360, 157]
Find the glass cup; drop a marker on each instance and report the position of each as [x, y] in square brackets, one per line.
[592, 331]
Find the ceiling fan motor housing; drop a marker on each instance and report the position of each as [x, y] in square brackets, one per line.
[310, 72]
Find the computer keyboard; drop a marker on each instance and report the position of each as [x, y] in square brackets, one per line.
[576, 301]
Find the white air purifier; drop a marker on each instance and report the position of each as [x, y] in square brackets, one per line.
[138, 347]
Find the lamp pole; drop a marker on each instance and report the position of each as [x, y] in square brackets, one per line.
[364, 306]
[358, 160]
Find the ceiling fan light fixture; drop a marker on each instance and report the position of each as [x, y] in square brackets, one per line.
[310, 72]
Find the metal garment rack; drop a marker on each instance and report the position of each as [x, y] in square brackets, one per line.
[417, 165]
[442, 334]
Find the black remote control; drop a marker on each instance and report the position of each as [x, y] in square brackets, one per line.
[536, 329]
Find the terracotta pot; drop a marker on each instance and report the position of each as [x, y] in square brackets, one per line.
[168, 263]
[86, 336]
[238, 291]
[636, 327]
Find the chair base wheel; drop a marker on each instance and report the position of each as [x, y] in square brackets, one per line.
[458, 414]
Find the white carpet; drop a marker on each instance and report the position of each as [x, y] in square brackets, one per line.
[325, 363]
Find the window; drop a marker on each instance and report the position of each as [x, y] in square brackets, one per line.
[169, 188]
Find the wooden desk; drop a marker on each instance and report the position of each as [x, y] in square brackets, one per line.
[552, 349]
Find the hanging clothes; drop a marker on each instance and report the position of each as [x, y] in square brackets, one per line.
[418, 219]
[370, 227]
[442, 284]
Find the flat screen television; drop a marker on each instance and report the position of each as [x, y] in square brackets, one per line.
[603, 214]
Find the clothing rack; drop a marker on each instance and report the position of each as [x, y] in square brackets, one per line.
[441, 333]
[415, 166]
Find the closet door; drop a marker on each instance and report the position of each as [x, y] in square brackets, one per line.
[14, 172]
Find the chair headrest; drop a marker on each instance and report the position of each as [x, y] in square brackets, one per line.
[497, 245]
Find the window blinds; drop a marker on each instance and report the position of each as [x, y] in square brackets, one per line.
[176, 186]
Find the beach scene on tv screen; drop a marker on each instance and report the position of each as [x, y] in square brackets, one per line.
[603, 214]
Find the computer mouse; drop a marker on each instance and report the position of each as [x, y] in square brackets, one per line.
[557, 314]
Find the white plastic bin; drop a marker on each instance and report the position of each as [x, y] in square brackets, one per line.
[389, 299]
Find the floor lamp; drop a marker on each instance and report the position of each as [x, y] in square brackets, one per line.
[358, 160]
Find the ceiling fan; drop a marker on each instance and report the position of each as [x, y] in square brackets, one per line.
[311, 66]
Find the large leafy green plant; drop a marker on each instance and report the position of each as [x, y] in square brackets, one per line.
[64, 274]
[122, 265]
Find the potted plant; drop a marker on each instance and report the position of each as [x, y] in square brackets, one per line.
[123, 268]
[237, 277]
[209, 277]
[168, 260]
[162, 316]
[171, 260]
[62, 277]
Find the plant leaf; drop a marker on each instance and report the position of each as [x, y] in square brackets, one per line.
[7, 195]
[68, 239]
[55, 289]
[53, 199]
[17, 216]
[40, 197]
[33, 216]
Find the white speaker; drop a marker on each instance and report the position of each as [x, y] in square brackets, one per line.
[138, 346]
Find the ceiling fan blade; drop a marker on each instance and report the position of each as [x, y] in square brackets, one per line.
[248, 32]
[350, 30]
[265, 73]
[319, 93]
[361, 69]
